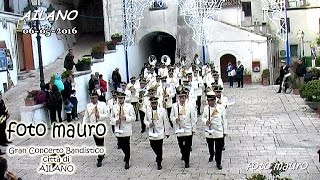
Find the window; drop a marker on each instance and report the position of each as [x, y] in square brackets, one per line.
[294, 50]
[246, 7]
[8, 6]
[157, 5]
[283, 24]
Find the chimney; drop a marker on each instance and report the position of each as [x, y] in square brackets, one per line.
[264, 29]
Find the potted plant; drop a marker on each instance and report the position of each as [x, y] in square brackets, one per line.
[265, 77]
[318, 41]
[30, 100]
[116, 37]
[83, 64]
[111, 45]
[312, 94]
[66, 73]
[247, 76]
[97, 52]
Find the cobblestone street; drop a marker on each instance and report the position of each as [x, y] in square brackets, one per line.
[263, 127]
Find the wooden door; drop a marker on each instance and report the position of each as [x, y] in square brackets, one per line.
[28, 62]
[224, 64]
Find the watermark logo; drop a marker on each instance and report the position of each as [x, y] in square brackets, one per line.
[40, 15]
[53, 16]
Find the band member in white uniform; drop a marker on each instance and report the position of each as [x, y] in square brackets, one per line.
[183, 116]
[215, 125]
[96, 112]
[223, 101]
[157, 122]
[110, 104]
[165, 93]
[122, 115]
[142, 92]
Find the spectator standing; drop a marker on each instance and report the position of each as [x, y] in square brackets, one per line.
[66, 93]
[68, 109]
[54, 104]
[103, 84]
[116, 78]
[231, 73]
[74, 102]
[4, 173]
[58, 82]
[240, 70]
[91, 83]
[68, 61]
[301, 72]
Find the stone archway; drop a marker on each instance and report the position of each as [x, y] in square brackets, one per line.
[158, 43]
[224, 64]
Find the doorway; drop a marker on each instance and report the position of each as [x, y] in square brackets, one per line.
[25, 60]
[158, 43]
[224, 64]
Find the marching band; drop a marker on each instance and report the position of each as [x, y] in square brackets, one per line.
[170, 99]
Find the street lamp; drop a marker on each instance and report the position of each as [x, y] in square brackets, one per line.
[36, 27]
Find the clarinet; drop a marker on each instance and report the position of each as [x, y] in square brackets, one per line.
[152, 120]
[119, 117]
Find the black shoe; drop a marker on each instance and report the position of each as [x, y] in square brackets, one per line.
[219, 166]
[278, 92]
[210, 158]
[126, 166]
[238, 87]
[187, 165]
[8, 142]
[142, 131]
[159, 167]
[241, 86]
[4, 144]
[223, 148]
[2, 153]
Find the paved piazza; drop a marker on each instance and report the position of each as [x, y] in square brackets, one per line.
[263, 126]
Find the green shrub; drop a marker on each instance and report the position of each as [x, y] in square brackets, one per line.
[116, 35]
[84, 60]
[247, 72]
[318, 41]
[97, 49]
[265, 73]
[311, 91]
[66, 73]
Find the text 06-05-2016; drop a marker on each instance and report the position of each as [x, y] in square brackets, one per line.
[48, 31]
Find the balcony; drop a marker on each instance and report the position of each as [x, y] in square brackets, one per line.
[158, 5]
[230, 3]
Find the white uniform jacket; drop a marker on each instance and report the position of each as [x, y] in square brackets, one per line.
[89, 113]
[124, 126]
[218, 122]
[110, 104]
[161, 125]
[197, 85]
[187, 119]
